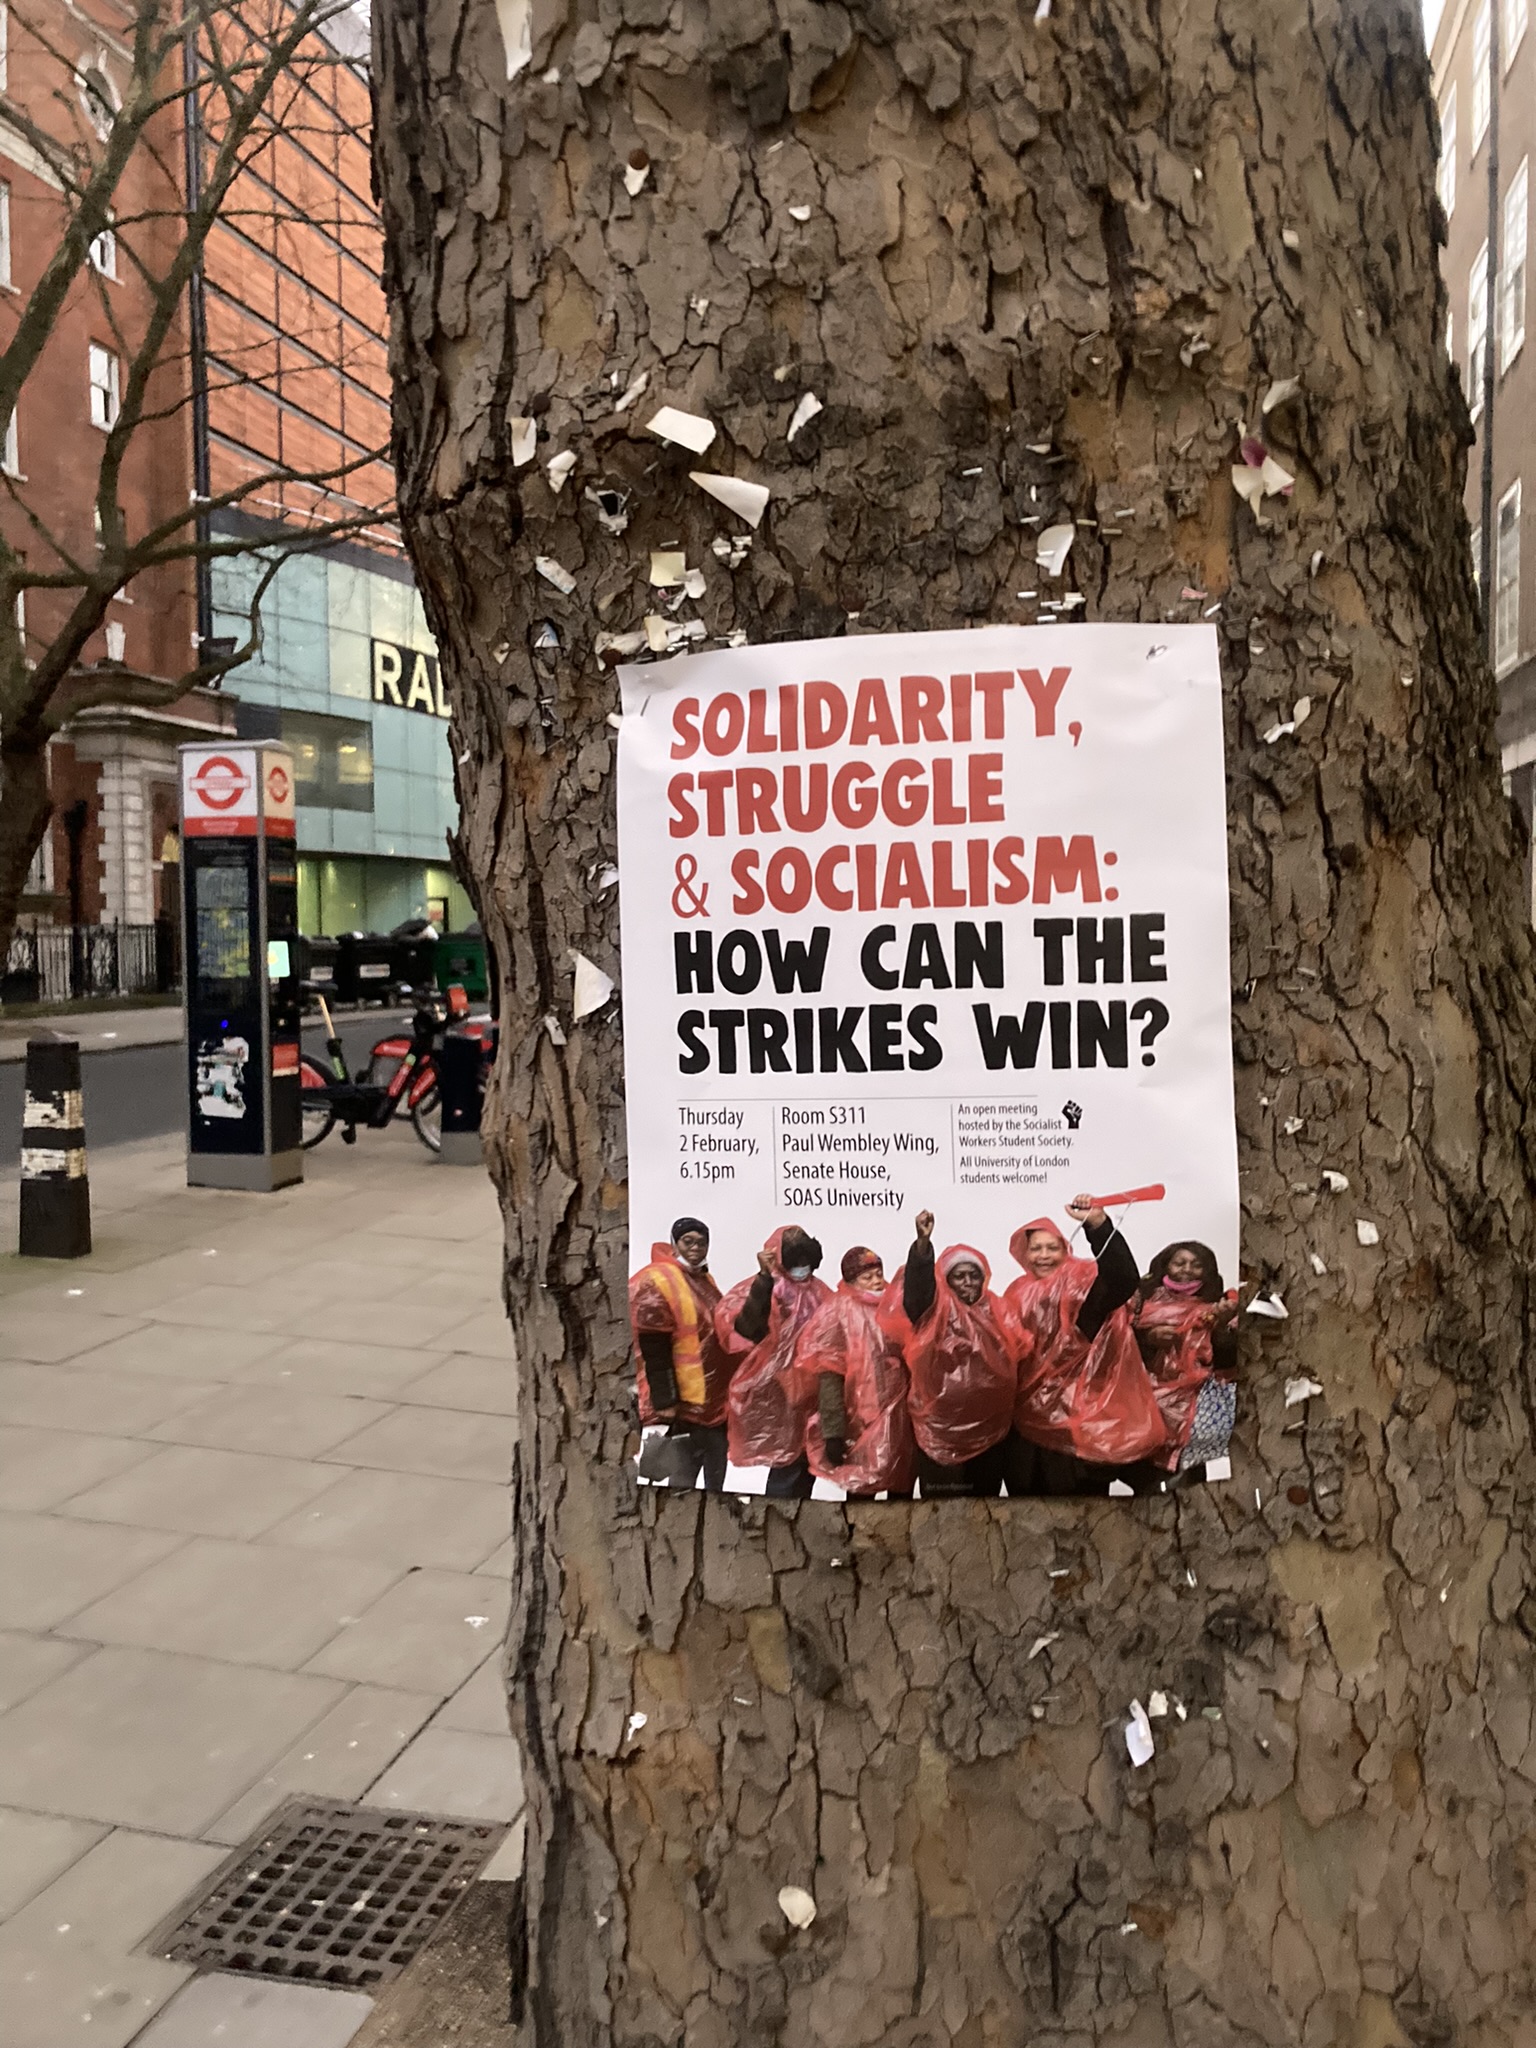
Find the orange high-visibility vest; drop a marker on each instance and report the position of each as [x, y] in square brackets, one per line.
[687, 1354]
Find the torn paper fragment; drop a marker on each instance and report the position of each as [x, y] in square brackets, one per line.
[1157, 1705]
[593, 987]
[546, 638]
[609, 875]
[636, 390]
[1195, 346]
[552, 1026]
[656, 632]
[733, 550]
[668, 568]
[525, 433]
[552, 572]
[516, 18]
[1138, 1736]
[1297, 1391]
[635, 1723]
[1301, 710]
[1366, 1231]
[1043, 10]
[804, 413]
[1041, 1643]
[799, 213]
[1277, 479]
[1118, 1490]
[1126, 1926]
[1053, 548]
[797, 1906]
[1291, 239]
[1215, 1468]
[683, 429]
[1336, 1183]
[1269, 1305]
[1248, 483]
[621, 644]
[1317, 1265]
[612, 516]
[1292, 1125]
[558, 468]
[636, 171]
[693, 584]
[1278, 732]
[747, 500]
[1280, 393]
[613, 717]
[698, 304]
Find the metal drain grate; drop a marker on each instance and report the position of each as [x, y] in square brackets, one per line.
[331, 1894]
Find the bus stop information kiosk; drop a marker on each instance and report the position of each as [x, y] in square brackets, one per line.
[239, 870]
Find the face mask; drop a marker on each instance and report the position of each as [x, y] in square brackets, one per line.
[1183, 1286]
[800, 1272]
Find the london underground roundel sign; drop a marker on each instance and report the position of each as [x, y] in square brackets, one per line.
[278, 783]
[220, 782]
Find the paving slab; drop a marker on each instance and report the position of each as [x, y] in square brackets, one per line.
[202, 1492]
[488, 1386]
[426, 1634]
[100, 1403]
[451, 1771]
[147, 1740]
[182, 1351]
[338, 1758]
[50, 1568]
[46, 1334]
[447, 1443]
[404, 1516]
[35, 1848]
[71, 1974]
[487, 1333]
[333, 1365]
[40, 1468]
[285, 1420]
[30, 1661]
[248, 1603]
[480, 1704]
[226, 2011]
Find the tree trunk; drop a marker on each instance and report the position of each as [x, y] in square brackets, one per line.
[1102, 234]
[25, 808]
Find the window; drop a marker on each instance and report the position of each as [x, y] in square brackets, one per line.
[1477, 329]
[1517, 14]
[98, 97]
[104, 394]
[10, 456]
[1450, 335]
[104, 253]
[1477, 558]
[1506, 580]
[332, 760]
[1446, 181]
[1482, 31]
[5, 47]
[5, 235]
[1512, 275]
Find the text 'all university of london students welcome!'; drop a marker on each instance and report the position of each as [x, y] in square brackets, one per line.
[910, 931]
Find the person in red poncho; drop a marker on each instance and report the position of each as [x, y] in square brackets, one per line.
[1085, 1404]
[771, 1399]
[684, 1369]
[860, 1436]
[962, 1364]
[1186, 1325]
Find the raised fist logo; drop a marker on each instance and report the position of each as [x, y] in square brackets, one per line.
[1073, 1112]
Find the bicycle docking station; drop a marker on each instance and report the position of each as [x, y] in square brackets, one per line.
[239, 880]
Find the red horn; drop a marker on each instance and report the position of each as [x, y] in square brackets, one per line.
[1155, 1193]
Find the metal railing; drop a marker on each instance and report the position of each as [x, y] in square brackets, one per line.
[57, 963]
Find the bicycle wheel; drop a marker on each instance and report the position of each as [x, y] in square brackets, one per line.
[316, 1115]
[427, 1118]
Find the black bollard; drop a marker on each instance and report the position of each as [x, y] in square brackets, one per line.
[460, 1087]
[55, 1193]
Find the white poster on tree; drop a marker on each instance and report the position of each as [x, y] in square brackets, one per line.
[926, 997]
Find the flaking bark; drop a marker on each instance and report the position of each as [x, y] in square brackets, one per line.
[1104, 234]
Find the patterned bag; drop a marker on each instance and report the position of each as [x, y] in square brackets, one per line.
[1215, 1413]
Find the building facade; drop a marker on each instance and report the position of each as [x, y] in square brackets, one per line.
[1488, 114]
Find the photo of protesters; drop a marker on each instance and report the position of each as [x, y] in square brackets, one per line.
[1082, 1377]
[1186, 1326]
[760, 1322]
[684, 1370]
[1085, 1400]
[860, 1435]
[962, 1365]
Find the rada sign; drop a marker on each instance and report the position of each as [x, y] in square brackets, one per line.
[407, 678]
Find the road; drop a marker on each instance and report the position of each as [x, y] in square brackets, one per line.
[140, 1092]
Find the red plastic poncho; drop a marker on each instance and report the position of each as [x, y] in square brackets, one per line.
[1175, 1337]
[770, 1398]
[961, 1364]
[1089, 1398]
[845, 1337]
[681, 1301]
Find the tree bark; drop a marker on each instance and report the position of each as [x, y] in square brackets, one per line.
[1101, 235]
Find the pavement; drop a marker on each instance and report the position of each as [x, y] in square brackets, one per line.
[254, 1521]
[97, 1030]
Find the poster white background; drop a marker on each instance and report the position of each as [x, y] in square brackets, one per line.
[1124, 751]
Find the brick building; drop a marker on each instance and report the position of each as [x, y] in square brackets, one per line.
[1468, 98]
[63, 67]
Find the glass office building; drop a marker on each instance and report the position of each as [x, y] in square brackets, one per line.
[347, 676]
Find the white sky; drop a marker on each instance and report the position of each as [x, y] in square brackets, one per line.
[1432, 13]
